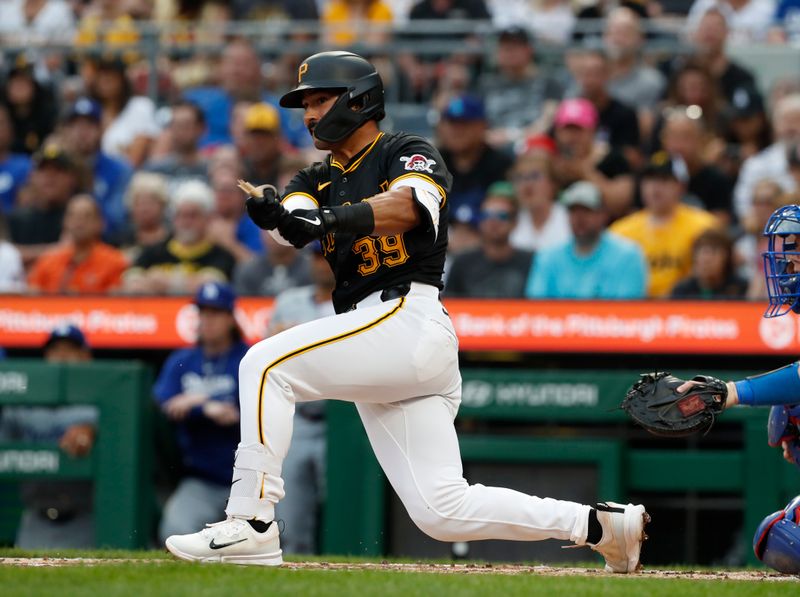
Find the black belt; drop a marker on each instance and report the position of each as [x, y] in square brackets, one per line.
[388, 294]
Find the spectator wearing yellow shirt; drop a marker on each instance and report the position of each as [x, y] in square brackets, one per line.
[348, 22]
[665, 228]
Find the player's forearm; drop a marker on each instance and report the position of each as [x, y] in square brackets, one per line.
[395, 212]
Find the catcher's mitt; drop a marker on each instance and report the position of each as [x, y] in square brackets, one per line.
[654, 403]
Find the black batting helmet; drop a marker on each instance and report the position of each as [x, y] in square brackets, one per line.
[351, 75]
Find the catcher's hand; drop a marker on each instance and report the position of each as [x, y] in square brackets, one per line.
[263, 204]
[655, 403]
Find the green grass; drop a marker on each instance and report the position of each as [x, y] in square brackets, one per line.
[157, 574]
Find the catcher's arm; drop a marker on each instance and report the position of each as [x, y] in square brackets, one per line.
[733, 395]
[781, 386]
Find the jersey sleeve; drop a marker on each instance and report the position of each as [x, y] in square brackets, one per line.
[168, 383]
[415, 163]
[301, 192]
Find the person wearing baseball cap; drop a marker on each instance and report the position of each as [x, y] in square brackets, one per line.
[494, 269]
[593, 264]
[475, 164]
[55, 179]
[83, 131]
[198, 390]
[56, 513]
[520, 97]
[580, 156]
[262, 143]
[666, 227]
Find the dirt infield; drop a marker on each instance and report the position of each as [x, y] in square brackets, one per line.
[508, 569]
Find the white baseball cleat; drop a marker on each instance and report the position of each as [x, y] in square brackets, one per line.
[231, 541]
[623, 533]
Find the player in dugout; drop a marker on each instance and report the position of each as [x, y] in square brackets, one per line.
[379, 205]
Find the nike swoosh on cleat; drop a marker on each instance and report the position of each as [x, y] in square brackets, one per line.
[214, 545]
[315, 222]
[322, 185]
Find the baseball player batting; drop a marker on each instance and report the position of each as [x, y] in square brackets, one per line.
[379, 205]
[666, 405]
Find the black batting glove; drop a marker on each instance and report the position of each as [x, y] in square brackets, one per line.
[265, 211]
[301, 226]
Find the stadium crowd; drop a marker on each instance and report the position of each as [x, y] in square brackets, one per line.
[611, 159]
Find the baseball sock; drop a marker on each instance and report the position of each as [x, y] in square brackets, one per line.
[595, 532]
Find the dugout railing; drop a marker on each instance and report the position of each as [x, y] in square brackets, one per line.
[575, 420]
[120, 462]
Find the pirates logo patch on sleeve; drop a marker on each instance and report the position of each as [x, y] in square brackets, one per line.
[418, 163]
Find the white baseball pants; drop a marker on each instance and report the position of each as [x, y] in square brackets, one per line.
[398, 361]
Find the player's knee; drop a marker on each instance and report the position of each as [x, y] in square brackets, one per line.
[257, 357]
[777, 539]
[435, 514]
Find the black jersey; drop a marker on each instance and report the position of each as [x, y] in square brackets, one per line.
[365, 264]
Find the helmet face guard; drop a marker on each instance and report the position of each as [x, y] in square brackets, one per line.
[782, 261]
[348, 75]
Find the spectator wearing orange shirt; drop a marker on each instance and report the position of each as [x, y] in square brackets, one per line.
[348, 22]
[84, 264]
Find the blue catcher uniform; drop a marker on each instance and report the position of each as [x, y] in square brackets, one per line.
[777, 539]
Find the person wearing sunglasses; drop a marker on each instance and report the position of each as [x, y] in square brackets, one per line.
[495, 269]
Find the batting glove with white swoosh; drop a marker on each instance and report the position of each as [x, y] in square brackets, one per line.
[301, 226]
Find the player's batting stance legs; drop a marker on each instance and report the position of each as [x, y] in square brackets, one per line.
[407, 404]
[379, 204]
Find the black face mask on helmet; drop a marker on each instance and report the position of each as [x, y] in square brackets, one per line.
[354, 78]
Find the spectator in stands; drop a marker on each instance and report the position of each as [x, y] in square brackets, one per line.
[581, 156]
[259, 10]
[786, 26]
[684, 137]
[240, 79]
[496, 269]
[665, 228]
[768, 196]
[747, 130]
[595, 264]
[108, 23]
[346, 22]
[423, 72]
[549, 21]
[713, 276]
[262, 144]
[82, 134]
[230, 227]
[187, 125]
[57, 514]
[82, 264]
[12, 273]
[129, 121]
[638, 84]
[146, 200]
[278, 268]
[692, 86]
[710, 40]
[541, 221]
[198, 390]
[36, 22]
[305, 465]
[748, 20]
[519, 97]
[771, 162]
[32, 106]
[55, 178]
[181, 264]
[462, 142]
[14, 167]
[617, 123]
